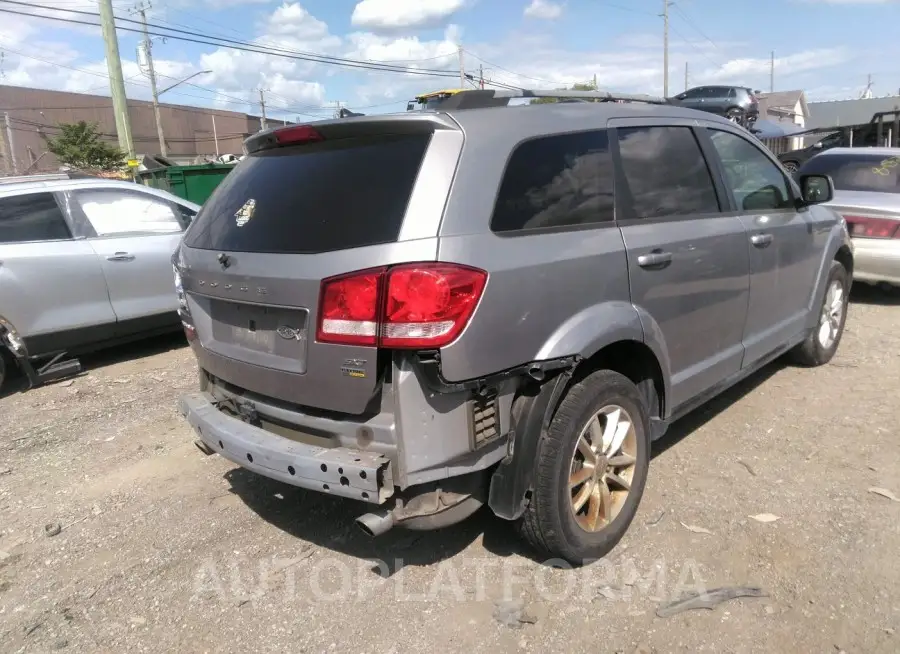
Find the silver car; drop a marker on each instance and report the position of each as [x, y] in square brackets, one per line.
[83, 263]
[432, 311]
[867, 194]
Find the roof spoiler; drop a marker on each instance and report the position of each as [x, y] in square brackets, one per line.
[481, 98]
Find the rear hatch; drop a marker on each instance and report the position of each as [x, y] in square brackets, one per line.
[307, 204]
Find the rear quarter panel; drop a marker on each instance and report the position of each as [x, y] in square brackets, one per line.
[549, 294]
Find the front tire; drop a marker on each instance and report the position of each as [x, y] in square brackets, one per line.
[591, 470]
[822, 342]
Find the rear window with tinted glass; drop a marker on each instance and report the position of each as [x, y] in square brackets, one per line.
[556, 181]
[858, 172]
[313, 198]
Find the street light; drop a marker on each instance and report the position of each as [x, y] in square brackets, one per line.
[159, 129]
[189, 77]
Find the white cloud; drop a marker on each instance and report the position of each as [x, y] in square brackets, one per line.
[289, 27]
[392, 15]
[544, 9]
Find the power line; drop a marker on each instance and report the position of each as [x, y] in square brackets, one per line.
[684, 16]
[511, 72]
[233, 44]
[695, 47]
[275, 45]
[227, 98]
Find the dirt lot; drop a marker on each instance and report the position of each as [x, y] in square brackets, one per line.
[163, 549]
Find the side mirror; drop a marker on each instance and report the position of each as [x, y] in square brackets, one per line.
[816, 189]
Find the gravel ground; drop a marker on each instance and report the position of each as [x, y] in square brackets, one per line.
[163, 549]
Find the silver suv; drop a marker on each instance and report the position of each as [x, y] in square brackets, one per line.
[437, 310]
[83, 263]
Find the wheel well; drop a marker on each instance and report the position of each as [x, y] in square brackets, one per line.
[845, 258]
[637, 362]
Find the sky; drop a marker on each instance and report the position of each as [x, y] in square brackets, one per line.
[526, 43]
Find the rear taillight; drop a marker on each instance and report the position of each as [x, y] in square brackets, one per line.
[417, 306]
[298, 134]
[348, 308]
[871, 227]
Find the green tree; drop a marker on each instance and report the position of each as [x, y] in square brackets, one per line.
[590, 86]
[79, 145]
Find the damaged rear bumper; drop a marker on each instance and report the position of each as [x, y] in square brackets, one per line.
[340, 471]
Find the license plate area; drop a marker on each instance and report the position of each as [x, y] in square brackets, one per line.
[273, 337]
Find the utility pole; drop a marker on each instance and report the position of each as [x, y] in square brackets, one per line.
[148, 52]
[116, 81]
[665, 15]
[686, 76]
[215, 135]
[772, 74]
[262, 103]
[12, 144]
[4, 152]
[462, 67]
[481, 75]
[596, 88]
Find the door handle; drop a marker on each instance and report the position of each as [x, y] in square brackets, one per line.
[120, 256]
[655, 259]
[762, 240]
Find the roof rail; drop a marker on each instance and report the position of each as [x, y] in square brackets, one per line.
[480, 98]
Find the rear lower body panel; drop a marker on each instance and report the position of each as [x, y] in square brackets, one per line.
[353, 474]
[413, 435]
[876, 260]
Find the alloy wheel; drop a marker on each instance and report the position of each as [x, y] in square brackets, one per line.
[602, 467]
[832, 312]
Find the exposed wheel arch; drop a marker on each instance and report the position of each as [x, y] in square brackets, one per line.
[636, 361]
[845, 257]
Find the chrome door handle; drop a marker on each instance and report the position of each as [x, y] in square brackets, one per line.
[655, 259]
[761, 240]
[121, 256]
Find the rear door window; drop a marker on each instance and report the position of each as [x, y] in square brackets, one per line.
[666, 172]
[857, 171]
[312, 198]
[556, 181]
[32, 217]
[113, 212]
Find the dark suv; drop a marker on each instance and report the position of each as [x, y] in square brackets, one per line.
[431, 311]
[736, 103]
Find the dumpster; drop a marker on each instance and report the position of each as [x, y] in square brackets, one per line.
[193, 183]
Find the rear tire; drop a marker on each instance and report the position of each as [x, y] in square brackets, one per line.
[822, 342]
[735, 115]
[600, 434]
